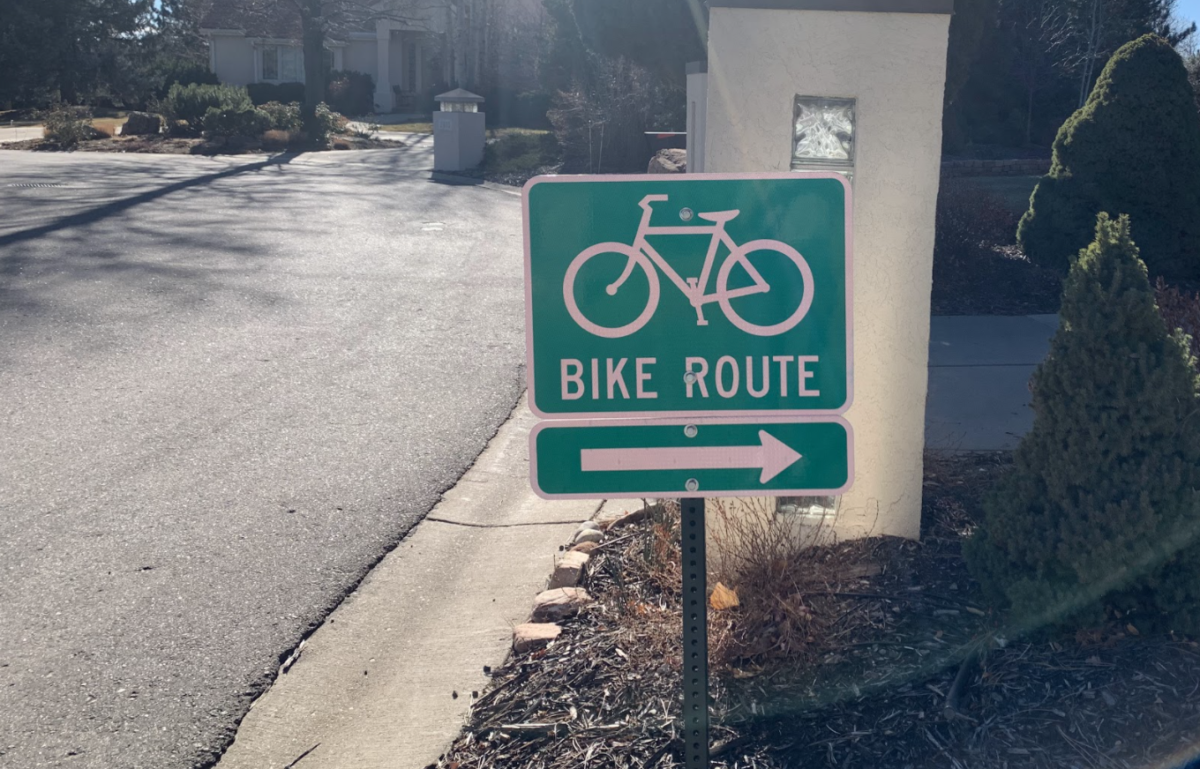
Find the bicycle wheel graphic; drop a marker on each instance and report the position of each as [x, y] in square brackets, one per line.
[804, 300]
[635, 257]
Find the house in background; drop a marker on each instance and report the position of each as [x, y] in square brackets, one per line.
[404, 57]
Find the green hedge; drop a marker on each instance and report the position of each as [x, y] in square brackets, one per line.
[285, 93]
[350, 93]
[168, 71]
[284, 117]
[192, 102]
[251, 122]
[1134, 148]
[1101, 510]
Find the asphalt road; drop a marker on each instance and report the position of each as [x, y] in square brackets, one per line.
[227, 388]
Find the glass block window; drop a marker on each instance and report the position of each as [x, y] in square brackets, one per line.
[806, 507]
[823, 133]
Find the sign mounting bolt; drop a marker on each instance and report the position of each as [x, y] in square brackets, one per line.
[690, 431]
[692, 484]
[686, 214]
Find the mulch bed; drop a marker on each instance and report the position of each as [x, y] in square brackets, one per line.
[888, 677]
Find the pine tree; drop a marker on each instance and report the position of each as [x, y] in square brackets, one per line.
[1101, 508]
[1134, 148]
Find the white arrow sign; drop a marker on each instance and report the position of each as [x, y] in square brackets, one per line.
[772, 455]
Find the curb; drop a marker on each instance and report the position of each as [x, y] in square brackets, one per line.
[455, 180]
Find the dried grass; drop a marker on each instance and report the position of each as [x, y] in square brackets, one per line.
[780, 580]
[275, 139]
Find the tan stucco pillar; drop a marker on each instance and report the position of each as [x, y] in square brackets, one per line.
[889, 55]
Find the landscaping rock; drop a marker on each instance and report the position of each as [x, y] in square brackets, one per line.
[587, 535]
[668, 162]
[560, 603]
[585, 547]
[532, 635]
[590, 525]
[142, 124]
[569, 570]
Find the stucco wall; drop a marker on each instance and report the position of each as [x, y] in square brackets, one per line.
[233, 60]
[894, 64]
[361, 56]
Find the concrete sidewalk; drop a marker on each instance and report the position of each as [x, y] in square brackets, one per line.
[979, 369]
[19, 133]
[387, 680]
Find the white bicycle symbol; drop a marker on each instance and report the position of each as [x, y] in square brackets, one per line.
[642, 254]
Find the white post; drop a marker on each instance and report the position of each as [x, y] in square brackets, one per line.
[890, 56]
[697, 106]
[384, 100]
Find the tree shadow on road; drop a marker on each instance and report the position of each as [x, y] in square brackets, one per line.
[124, 204]
[251, 240]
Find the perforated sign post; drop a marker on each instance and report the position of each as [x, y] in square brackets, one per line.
[689, 336]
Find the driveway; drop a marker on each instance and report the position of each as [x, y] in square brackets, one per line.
[227, 388]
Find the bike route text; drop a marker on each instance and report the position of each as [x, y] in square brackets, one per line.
[776, 376]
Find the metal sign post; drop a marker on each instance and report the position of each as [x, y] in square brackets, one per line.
[689, 336]
[695, 634]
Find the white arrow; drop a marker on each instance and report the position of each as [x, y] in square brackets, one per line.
[772, 455]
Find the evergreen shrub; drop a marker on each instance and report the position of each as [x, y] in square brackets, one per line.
[1133, 148]
[284, 117]
[1101, 509]
[192, 102]
[66, 126]
[286, 93]
[250, 122]
[329, 122]
[167, 71]
[350, 93]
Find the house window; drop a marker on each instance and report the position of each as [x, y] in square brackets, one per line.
[282, 64]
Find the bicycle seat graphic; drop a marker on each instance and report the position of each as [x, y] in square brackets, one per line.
[642, 255]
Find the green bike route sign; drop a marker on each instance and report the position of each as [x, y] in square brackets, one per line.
[687, 296]
[719, 300]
